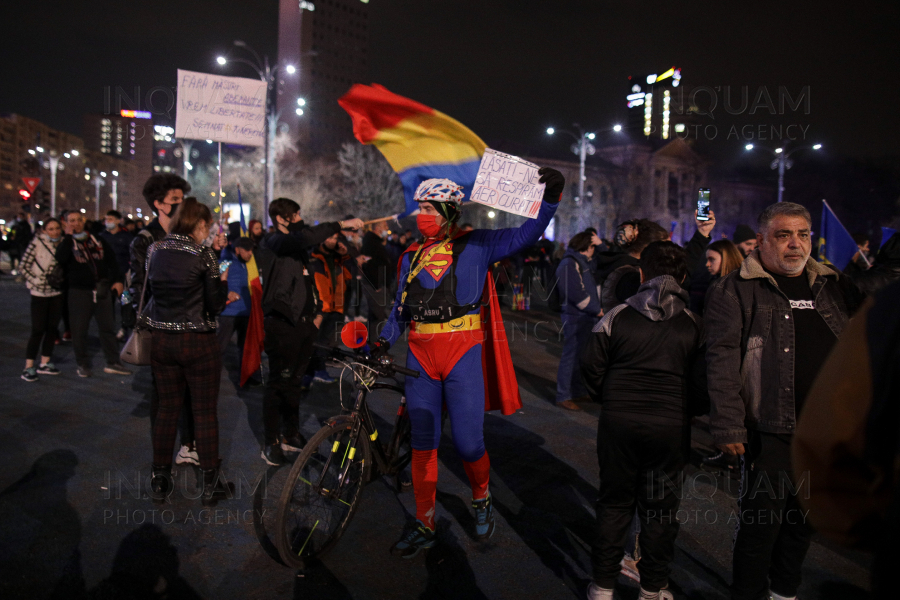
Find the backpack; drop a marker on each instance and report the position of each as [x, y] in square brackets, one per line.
[554, 300]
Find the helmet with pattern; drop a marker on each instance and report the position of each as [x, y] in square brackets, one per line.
[444, 195]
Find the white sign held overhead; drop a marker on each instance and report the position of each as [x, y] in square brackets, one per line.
[508, 183]
[231, 110]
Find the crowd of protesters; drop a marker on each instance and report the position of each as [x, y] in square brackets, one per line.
[658, 334]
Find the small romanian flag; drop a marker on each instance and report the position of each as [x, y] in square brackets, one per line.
[419, 142]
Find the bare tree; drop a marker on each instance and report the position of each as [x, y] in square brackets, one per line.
[372, 188]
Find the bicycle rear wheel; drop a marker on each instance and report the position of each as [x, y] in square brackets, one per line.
[321, 494]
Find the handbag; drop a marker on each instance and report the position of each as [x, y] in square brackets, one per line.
[137, 349]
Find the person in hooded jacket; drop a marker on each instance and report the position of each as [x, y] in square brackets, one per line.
[580, 312]
[644, 362]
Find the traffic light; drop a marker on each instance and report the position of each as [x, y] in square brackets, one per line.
[25, 194]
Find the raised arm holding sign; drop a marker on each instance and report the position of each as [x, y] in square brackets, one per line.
[508, 183]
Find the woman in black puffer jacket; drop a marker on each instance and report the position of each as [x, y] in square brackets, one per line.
[185, 294]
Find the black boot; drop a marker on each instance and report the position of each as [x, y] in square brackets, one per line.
[161, 484]
[215, 487]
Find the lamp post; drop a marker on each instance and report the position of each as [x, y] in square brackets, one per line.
[582, 147]
[53, 165]
[782, 161]
[99, 179]
[115, 192]
[267, 73]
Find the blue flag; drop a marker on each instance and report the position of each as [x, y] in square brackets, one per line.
[886, 233]
[836, 245]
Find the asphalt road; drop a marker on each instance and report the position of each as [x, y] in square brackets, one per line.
[75, 519]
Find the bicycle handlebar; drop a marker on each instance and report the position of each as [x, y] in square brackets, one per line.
[369, 361]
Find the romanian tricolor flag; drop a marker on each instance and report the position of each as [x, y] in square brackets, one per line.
[419, 142]
[253, 343]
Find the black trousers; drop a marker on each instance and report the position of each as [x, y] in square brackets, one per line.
[83, 305]
[45, 314]
[290, 348]
[641, 463]
[773, 533]
[227, 327]
[329, 335]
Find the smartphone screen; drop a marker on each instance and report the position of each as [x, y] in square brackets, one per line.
[223, 266]
[703, 204]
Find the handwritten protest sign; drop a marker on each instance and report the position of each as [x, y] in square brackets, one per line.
[222, 109]
[508, 183]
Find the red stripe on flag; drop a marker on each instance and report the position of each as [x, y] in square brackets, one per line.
[253, 344]
[374, 108]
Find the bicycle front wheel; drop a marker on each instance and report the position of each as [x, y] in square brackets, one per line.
[321, 493]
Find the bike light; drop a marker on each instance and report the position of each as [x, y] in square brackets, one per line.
[354, 334]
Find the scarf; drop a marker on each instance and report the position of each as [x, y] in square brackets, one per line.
[89, 249]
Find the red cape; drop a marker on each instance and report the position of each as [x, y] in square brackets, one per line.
[501, 391]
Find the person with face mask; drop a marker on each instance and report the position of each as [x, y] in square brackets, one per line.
[163, 192]
[94, 282]
[46, 301]
[446, 296]
[120, 241]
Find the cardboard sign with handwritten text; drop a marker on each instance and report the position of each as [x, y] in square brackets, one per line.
[222, 109]
[508, 183]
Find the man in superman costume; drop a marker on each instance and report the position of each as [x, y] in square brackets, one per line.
[457, 342]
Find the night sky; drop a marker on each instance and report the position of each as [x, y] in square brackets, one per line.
[506, 68]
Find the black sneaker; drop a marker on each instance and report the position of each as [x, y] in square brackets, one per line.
[116, 369]
[48, 369]
[720, 461]
[484, 517]
[293, 443]
[272, 454]
[417, 539]
[30, 374]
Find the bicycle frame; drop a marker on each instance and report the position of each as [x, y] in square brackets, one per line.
[360, 417]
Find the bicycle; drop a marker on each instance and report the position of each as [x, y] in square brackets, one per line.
[325, 484]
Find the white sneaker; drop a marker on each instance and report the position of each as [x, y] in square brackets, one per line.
[595, 592]
[660, 595]
[774, 596]
[187, 455]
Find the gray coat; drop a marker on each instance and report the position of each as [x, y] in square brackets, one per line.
[750, 341]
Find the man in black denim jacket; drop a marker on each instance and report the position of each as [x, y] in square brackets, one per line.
[770, 326]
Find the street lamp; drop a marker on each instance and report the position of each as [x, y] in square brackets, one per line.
[115, 190]
[99, 179]
[54, 166]
[782, 161]
[267, 73]
[582, 147]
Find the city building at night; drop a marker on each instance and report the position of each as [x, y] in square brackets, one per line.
[31, 149]
[327, 41]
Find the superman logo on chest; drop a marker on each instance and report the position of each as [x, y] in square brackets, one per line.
[438, 263]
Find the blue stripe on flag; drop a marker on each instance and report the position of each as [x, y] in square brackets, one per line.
[836, 245]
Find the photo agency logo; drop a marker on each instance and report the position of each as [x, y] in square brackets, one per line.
[186, 493]
[768, 494]
[742, 113]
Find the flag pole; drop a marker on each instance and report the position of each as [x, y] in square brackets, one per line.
[389, 218]
[221, 208]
